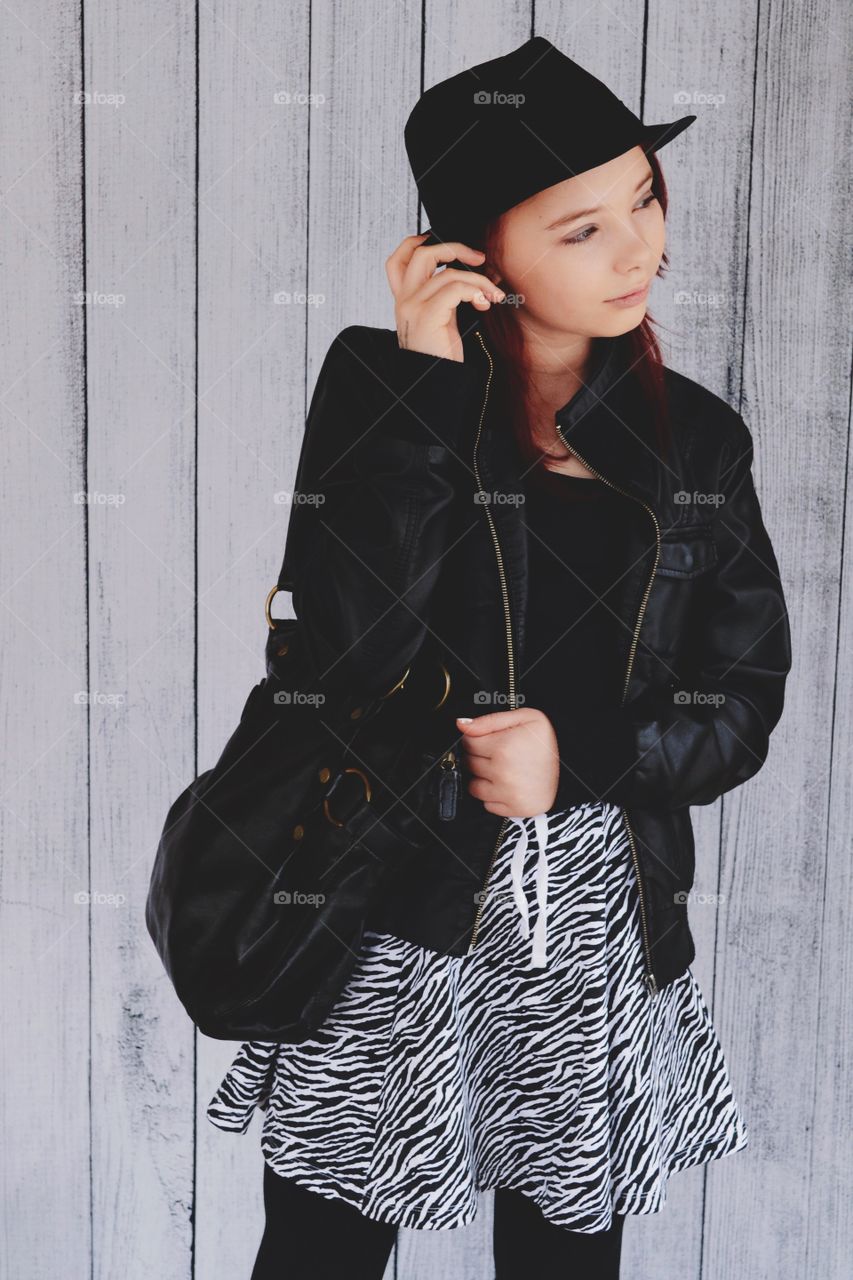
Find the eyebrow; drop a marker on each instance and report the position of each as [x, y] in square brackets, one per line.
[583, 213]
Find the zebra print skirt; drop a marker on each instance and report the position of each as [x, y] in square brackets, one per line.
[543, 1066]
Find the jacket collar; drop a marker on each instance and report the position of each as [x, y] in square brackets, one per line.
[607, 422]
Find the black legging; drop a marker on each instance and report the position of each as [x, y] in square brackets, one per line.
[311, 1237]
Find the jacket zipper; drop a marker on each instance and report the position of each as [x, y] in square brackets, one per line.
[448, 786]
[650, 981]
[508, 618]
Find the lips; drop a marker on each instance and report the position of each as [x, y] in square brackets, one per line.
[635, 293]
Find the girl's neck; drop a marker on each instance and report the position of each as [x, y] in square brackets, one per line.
[554, 379]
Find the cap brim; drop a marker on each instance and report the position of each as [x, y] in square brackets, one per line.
[656, 136]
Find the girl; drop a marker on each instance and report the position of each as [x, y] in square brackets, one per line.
[571, 1066]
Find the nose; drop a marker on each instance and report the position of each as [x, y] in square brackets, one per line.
[637, 260]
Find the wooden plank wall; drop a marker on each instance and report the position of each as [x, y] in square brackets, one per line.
[159, 241]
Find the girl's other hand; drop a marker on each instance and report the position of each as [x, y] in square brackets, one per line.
[513, 761]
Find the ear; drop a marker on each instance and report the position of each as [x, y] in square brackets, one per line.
[492, 272]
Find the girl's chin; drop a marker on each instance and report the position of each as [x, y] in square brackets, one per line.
[623, 320]
[606, 322]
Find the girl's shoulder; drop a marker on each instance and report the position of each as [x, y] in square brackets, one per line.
[703, 419]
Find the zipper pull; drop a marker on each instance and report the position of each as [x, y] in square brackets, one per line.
[448, 787]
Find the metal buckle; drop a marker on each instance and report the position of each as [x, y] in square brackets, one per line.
[367, 794]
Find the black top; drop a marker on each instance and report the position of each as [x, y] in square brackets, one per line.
[575, 647]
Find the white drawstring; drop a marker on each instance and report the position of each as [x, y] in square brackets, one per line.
[540, 932]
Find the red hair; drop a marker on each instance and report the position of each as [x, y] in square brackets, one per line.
[503, 333]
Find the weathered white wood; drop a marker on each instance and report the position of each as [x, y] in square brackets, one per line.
[778, 966]
[140, 374]
[47, 721]
[157, 598]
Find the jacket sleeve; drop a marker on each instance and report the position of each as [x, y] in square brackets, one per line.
[689, 743]
[373, 492]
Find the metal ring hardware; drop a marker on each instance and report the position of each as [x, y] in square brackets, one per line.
[443, 697]
[395, 688]
[367, 794]
[399, 685]
[272, 595]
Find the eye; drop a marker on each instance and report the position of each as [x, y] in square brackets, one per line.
[581, 237]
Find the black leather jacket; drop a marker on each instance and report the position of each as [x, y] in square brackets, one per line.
[418, 536]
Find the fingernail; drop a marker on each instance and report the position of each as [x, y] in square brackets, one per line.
[464, 719]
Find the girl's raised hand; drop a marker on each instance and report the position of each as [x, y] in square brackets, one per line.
[425, 299]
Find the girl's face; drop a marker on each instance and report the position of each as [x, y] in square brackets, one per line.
[572, 248]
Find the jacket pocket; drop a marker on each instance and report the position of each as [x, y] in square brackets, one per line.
[687, 552]
[687, 557]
